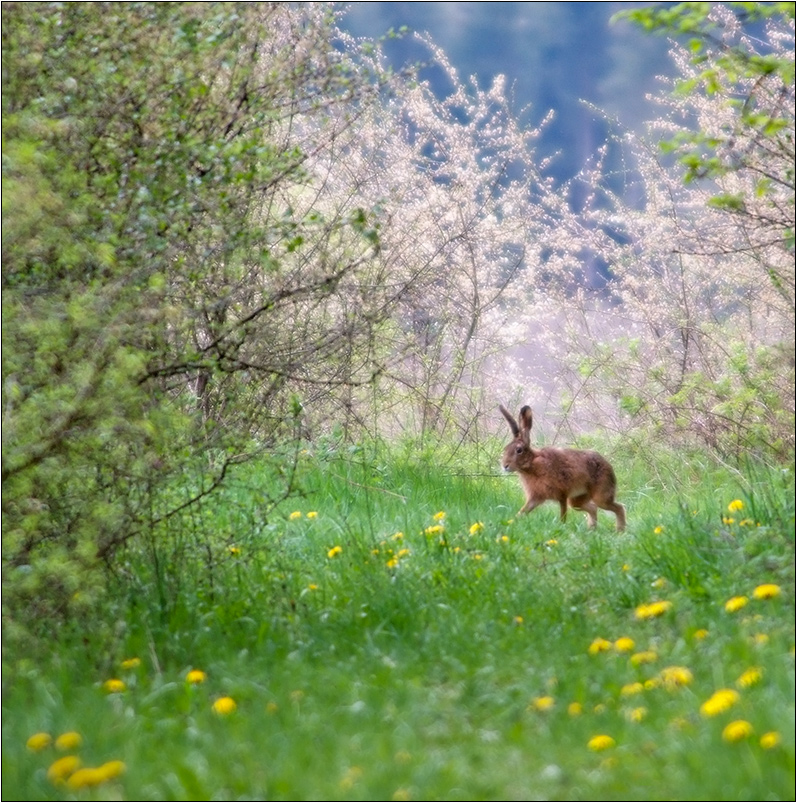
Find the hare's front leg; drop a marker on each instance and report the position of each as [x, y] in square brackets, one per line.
[531, 503]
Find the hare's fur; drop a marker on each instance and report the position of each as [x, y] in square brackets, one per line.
[584, 479]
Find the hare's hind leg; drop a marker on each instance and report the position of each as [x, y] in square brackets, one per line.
[584, 503]
[617, 509]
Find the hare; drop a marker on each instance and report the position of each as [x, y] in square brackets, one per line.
[585, 479]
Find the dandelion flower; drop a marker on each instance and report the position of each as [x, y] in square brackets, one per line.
[658, 530]
[402, 553]
[297, 514]
[88, 776]
[599, 645]
[439, 516]
[551, 542]
[644, 657]
[518, 620]
[770, 740]
[477, 527]
[542, 703]
[114, 686]
[272, 707]
[637, 714]
[234, 550]
[750, 677]
[397, 537]
[626, 567]
[737, 504]
[502, 539]
[624, 644]
[70, 740]
[674, 676]
[735, 604]
[61, 769]
[600, 742]
[335, 551]
[112, 769]
[631, 688]
[312, 587]
[653, 609]
[196, 676]
[434, 529]
[392, 563]
[737, 730]
[760, 639]
[39, 741]
[728, 520]
[719, 702]
[575, 709]
[224, 706]
[131, 663]
[312, 514]
[766, 591]
[699, 635]
[659, 582]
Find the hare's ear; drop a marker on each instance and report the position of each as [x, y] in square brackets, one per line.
[512, 423]
[525, 422]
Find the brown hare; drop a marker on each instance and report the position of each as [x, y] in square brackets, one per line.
[584, 479]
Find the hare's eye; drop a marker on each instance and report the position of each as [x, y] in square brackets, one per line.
[518, 449]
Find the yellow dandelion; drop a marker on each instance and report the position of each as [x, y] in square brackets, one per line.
[750, 677]
[88, 776]
[575, 709]
[312, 514]
[114, 686]
[434, 529]
[659, 582]
[601, 742]
[728, 520]
[631, 688]
[502, 539]
[542, 703]
[397, 537]
[674, 676]
[746, 523]
[392, 563]
[477, 527]
[234, 550]
[39, 741]
[766, 591]
[658, 530]
[626, 567]
[551, 542]
[224, 706]
[652, 683]
[737, 730]
[297, 514]
[760, 639]
[652, 609]
[312, 587]
[644, 657]
[61, 769]
[624, 644]
[737, 504]
[112, 769]
[770, 740]
[131, 663]
[599, 645]
[70, 740]
[699, 635]
[478, 556]
[735, 604]
[439, 516]
[518, 620]
[637, 714]
[335, 551]
[196, 676]
[272, 707]
[402, 553]
[719, 702]
[600, 708]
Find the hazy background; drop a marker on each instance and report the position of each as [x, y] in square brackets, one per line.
[554, 55]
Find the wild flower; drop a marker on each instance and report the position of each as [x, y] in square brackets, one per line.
[652, 609]
[601, 742]
[737, 730]
[551, 542]
[392, 563]
[62, 768]
[675, 676]
[766, 591]
[477, 527]
[735, 604]
[114, 686]
[402, 553]
[434, 529]
[112, 769]
[644, 657]
[131, 663]
[737, 504]
[626, 567]
[39, 741]
[196, 676]
[542, 703]
[575, 709]
[658, 530]
[70, 740]
[272, 707]
[759, 639]
[397, 537]
[86, 777]
[599, 645]
[719, 702]
[439, 516]
[659, 582]
[297, 514]
[769, 740]
[502, 539]
[234, 550]
[727, 520]
[312, 514]
[699, 635]
[637, 714]
[518, 620]
[224, 706]
[750, 677]
[335, 551]
[631, 688]
[312, 587]
[624, 644]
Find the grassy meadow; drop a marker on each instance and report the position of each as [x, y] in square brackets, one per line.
[393, 632]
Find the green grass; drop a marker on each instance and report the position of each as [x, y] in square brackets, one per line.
[378, 675]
